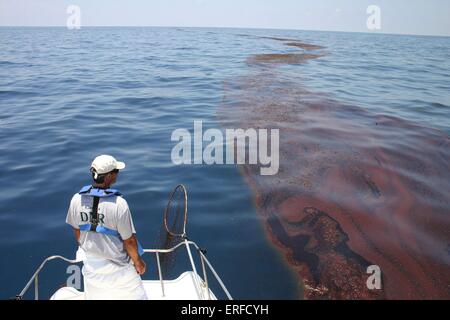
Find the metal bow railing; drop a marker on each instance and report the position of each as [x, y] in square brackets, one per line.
[201, 285]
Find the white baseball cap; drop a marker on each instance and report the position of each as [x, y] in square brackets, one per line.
[105, 163]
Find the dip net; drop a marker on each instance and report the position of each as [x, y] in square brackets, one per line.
[173, 230]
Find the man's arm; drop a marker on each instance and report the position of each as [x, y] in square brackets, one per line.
[71, 220]
[77, 235]
[131, 247]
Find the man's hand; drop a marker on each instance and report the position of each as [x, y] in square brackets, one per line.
[140, 266]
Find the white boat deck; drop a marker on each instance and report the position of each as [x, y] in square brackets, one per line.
[182, 288]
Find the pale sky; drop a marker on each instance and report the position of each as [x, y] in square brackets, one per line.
[428, 17]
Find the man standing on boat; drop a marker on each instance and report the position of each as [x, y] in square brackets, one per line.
[105, 233]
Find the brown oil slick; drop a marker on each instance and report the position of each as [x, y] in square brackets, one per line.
[305, 46]
[282, 58]
[287, 41]
[354, 188]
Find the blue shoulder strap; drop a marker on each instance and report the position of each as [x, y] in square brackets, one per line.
[97, 192]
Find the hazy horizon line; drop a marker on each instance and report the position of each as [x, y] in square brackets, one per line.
[228, 27]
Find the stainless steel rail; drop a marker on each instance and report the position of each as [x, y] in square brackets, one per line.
[197, 282]
[35, 277]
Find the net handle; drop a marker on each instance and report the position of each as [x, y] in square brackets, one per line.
[183, 188]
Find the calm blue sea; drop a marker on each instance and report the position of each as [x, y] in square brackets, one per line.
[69, 95]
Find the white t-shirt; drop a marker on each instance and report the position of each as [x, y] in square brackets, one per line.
[113, 213]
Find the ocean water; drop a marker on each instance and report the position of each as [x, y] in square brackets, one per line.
[69, 95]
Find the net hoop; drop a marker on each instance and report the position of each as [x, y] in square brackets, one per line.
[166, 211]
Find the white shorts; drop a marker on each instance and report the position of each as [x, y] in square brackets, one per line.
[105, 280]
